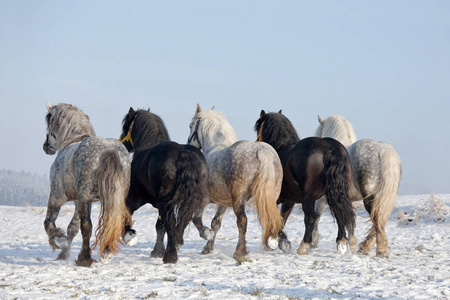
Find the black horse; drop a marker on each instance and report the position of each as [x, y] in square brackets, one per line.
[312, 167]
[171, 177]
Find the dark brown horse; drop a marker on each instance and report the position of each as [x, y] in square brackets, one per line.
[312, 167]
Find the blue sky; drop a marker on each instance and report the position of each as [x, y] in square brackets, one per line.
[384, 65]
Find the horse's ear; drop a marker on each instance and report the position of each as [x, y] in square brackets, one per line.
[49, 106]
[320, 120]
[262, 114]
[212, 108]
[280, 111]
[199, 109]
[131, 112]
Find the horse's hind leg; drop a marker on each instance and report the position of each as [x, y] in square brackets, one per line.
[158, 250]
[376, 234]
[241, 221]
[203, 231]
[84, 258]
[310, 219]
[72, 231]
[382, 242]
[216, 223]
[283, 243]
[169, 224]
[369, 242]
[319, 207]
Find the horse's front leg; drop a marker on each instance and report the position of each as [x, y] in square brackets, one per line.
[283, 242]
[216, 223]
[72, 231]
[159, 249]
[56, 237]
[241, 248]
[310, 219]
[84, 257]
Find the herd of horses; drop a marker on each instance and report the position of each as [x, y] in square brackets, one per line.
[333, 168]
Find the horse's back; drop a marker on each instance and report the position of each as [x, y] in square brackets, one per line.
[155, 170]
[76, 165]
[90, 150]
[370, 157]
[234, 168]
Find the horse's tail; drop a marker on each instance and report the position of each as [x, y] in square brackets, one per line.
[386, 194]
[113, 184]
[337, 179]
[265, 190]
[191, 187]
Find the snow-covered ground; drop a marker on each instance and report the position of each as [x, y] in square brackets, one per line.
[418, 267]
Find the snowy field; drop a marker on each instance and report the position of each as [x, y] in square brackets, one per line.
[418, 267]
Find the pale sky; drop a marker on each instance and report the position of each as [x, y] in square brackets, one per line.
[384, 65]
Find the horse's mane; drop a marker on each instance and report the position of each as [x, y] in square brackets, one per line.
[337, 127]
[277, 130]
[68, 123]
[216, 129]
[148, 130]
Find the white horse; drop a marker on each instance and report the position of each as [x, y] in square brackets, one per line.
[377, 172]
[239, 170]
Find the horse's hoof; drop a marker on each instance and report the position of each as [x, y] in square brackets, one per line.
[170, 259]
[353, 243]
[271, 244]
[343, 247]
[240, 257]
[61, 241]
[206, 250]
[63, 255]
[157, 253]
[303, 249]
[85, 262]
[106, 257]
[383, 254]
[207, 234]
[362, 252]
[285, 246]
[130, 238]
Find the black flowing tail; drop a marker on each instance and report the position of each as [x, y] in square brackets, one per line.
[191, 188]
[337, 180]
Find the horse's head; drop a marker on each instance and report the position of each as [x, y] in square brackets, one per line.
[66, 124]
[338, 128]
[275, 129]
[194, 136]
[50, 144]
[127, 128]
[319, 129]
[259, 125]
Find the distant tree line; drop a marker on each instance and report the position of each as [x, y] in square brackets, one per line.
[23, 188]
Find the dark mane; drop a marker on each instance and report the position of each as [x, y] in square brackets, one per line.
[277, 130]
[148, 129]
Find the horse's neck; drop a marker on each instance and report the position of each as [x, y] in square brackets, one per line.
[212, 150]
[218, 143]
[73, 140]
[344, 134]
